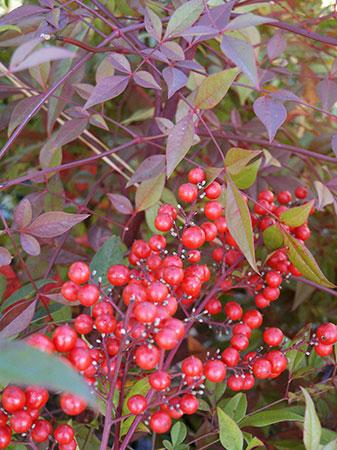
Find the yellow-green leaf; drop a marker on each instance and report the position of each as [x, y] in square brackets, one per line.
[213, 88]
[272, 237]
[247, 176]
[237, 158]
[303, 260]
[312, 426]
[149, 192]
[239, 222]
[231, 436]
[295, 217]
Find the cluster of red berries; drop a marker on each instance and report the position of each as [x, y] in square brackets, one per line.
[171, 284]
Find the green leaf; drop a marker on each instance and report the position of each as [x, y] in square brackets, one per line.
[231, 436]
[303, 260]
[112, 252]
[3, 285]
[252, 441]
[312, 426]
[178, 433]
[265, 418]
[126, 424]
[272, 237]
[235, 407]
[85, 437]
[295, 217]
[213, 88]
[237, 159]
[23, 364]
[141, 387]
[239, 222]
[184, 17]
[149, 192]
[247, 176]
[167, 444]
[8, 27]
[330, 446]
[203, 405]
[25, 292]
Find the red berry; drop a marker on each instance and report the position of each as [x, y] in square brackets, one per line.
[271, 293]
[36, 396]
[192, 366]
[166, 339]
[83, 324]
[273, 336]
[41, 431]
[262, 207]
[118, 275]
[210, 231]
[88, 295]
[157, 242]
[72, 404]
[137, 404]
[303, 232]
[262, 368]
[213, 190]
[248, 381]
[193, 237]
[13, 399]
[105, 324]
[323, 349]
[213, 210]
[173, 275]
[141, 249]
[188, 192]
[147, 357]
[242, 328]
[194, 256]
[189, 404]
[235, 383]
[273, 279]
[268, 196]
[215, 370]
[233, 311]
[176, 325]
[64, 338]
[261, 301]
[278, 361]
[41, 342]
[284, 197]
[3, 419]
[64, 434]
[160, 422]
[231, 356]
[327, 333]
[214, 306]
[145, 312]
[301, 192]
[160, 380]
[253, 319]
[163, 222]
[196, 175]
[221, 224]
[5, 436]
[71, 446]
[79, 272]
[134, 292]
[239, 342]
[80, 358]
[69, 291]
[21, 422]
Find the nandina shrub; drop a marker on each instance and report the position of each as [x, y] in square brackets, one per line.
[168, 184]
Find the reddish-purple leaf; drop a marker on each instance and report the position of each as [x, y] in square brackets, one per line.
[5, 257]
[22, 12]
[120, 62]
[179, 141]
[175, 80]
[334, 144]
[54, 223]
[17, 319]
[24, 50]
[242, 54]
[106, 89]
[146, 80]
[29, 244]
[327, 91]
[68, 132]
[285, 95]
[153, 24]
[121, 203]
[272, 114]
[276, 46]
[42, 55]
[173, 51]
[247, 20]
[22, 108]
[217, 17]
[149, 168]
[23, 213]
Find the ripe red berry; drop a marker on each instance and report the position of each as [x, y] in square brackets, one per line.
[214, 306]
[88, 295]
[261, 301]
[141, 249]
[268, 196]
[248, 381]
[301, 192]
[273, 336]
[147, 357]
[137, 404]
[173, 275]
[262, 368]
[134, 292]
[5, 436]
[188, 192]
[235, 383]
[239, 342]
[166, 339]
[160, 380]
[20, 422]
[36, 396]
[3, 419]
[253, 318]
[242, 328]
[194, 256]
[41, 431]
[271, 293]
[145, 312]
[71, 446]
[213, 190]
[273, 279]
[41, 342]
[13, 399]
[233, 311]
[323, 349]
[69, 290]
[80, 358]
[71, 404]
[160, 422]
[157, 242]
[284, 197]
[176, 325]
[215, 370]
[327, 333]
[163, 222]
[278, 361]
[79, 272]
[83, 324]
[231, 356]
[193, 237]
[303, 232]
[213, 210]
[192, 366]
[196, 175]
[118, 275]
[157, 292]
[64, 434]
[189, 404]
[105, 324]
[64, 338]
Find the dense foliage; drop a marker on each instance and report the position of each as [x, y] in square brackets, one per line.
[168, 225]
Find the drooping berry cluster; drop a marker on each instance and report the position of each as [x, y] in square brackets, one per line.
[132, 328]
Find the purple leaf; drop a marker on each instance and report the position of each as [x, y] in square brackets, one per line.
[22, 108]
[334, 144]
[146, 80]
[272, 114]
[218, 16]
[42, 55]
[327, 91]
[10, 326]
[120, 62]
[29, 244]
[188, 64]
[284, 95]
[175, 80]
[106, 89]
[179, 141]
[155, 54]
[121, 203]
[153, 24]
[23, 213]
[242, 54]
[22, 12]
[54, 223]
[5, 257]
[247, 20]
[276, 46]
[149, 168]
[24, 50]
[199, 31]
[173, 51]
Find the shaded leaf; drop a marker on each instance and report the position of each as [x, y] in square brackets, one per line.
[21, 110]
[54, 223]
[265, 418]
[5, 257]
[325, 196]
[272, 237]
[149, 192]
[179, 141]
[247, 20]
[272, 114]
[213, 88]
[112, 252]
[40, 56]
[297, 216]
[178, 433]
[120, 62]
[242, 54]
[236, 406]
[237, 158]
[231, 436]
[29, 244]
[19, 323]
[106, 89]
[121, 203]
[153, 24]
[175, 80]
[25, 365]
[146, 80]
[183, 17]
[312, 426]
[239, 222]
[23, 213]
[276, 46]
[149, 168]
[327, 91]
[26, 291]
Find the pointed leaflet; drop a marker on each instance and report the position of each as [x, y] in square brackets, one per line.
[327, 91]
[242, 54]
[121, 203]
[247, 176]
[106, 89]
[312, 426]
[20, 111]
[175, 80]
[17, 319]
[237, 158]
[213, 88]
[272, 114]
[325, 196]
[303, 260]
[231, 436]
[179, 141]
[153, 24]
[265, 418]
[272, 237]
[247, 20]
[276, 46]
[295, 217]
[149, 192]
[29, 244]
[23, 213]
[149, 168]
[184, 17]
[239, 222]
[43, 55]
[145, 79]
[54, 223]
[5, 257]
